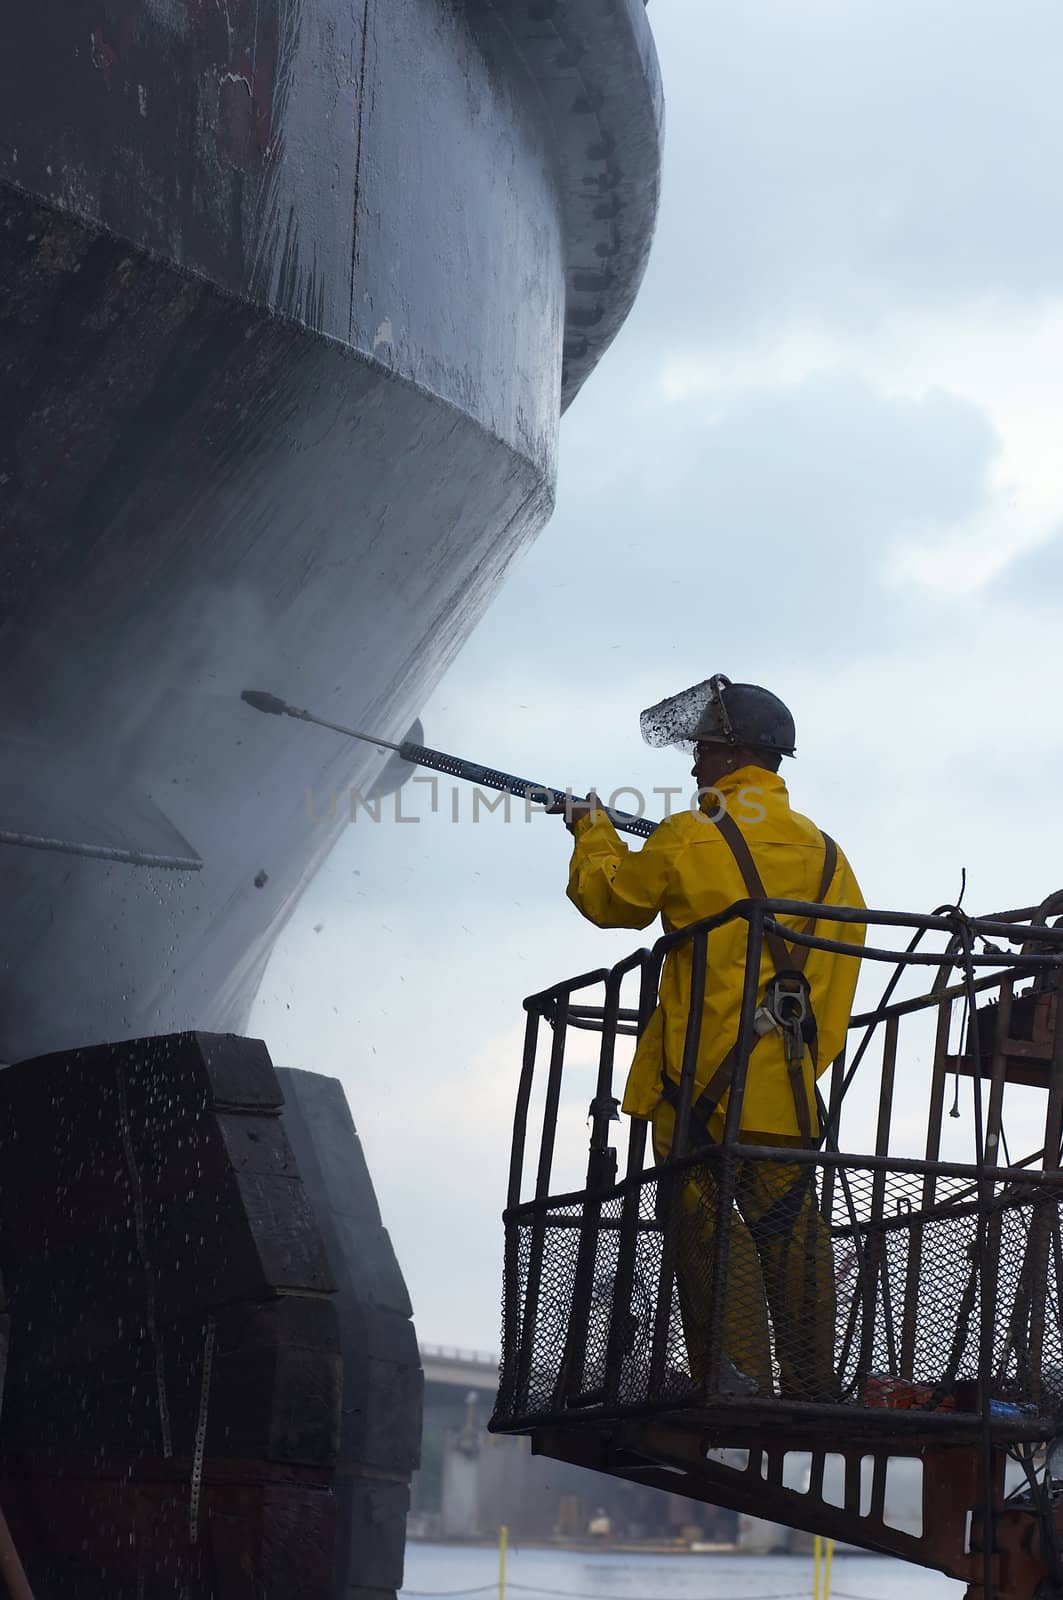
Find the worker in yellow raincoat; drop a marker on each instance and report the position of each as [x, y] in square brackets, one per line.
[740, 839]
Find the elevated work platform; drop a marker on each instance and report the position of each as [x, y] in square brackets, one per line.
[902, 1274]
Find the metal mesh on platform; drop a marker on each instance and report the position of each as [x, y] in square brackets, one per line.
[918, 1308]
[854, 1285]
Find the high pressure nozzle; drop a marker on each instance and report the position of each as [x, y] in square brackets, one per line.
[259, 700]
[265, 702]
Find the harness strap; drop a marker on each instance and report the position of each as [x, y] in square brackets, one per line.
[795, 1067]
[784, 1212]
[783, 1215]
[785, 958]
[782, 955]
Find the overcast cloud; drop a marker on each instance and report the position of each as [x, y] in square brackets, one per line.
[824, 454]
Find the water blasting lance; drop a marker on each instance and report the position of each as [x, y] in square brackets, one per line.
[454, 766]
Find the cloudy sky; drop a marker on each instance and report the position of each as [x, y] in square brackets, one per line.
[824, 454]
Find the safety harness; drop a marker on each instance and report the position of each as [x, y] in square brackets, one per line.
[787, 1009]
[787, 1004]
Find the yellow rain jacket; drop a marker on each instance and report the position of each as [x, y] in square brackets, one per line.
[685, 871]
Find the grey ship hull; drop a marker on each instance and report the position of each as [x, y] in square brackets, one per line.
[293, 294]
[292, 298]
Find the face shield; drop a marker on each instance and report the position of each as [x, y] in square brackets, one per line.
[676, 720]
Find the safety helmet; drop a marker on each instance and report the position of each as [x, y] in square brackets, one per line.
[718, 711]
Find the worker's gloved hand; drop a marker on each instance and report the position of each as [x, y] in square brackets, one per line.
[574, 810]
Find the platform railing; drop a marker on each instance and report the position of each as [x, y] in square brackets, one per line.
[920, 1286]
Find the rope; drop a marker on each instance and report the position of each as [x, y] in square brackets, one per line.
[445, 1594]
[962, 925]
[578, 1594]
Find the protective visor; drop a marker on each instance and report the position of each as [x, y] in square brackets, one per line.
[675, 721]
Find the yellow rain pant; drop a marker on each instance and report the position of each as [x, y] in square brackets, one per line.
[785, 1267]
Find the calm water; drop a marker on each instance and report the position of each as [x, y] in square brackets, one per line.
[439, 1570]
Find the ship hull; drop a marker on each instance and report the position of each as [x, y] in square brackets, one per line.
[293, 294]
[291, 301]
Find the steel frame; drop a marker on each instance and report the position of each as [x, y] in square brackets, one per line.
[1011, 1404]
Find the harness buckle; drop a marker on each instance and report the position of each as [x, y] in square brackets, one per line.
[788, 998]
[787, 1008]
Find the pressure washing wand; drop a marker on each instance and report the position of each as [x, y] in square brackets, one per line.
[454, 766]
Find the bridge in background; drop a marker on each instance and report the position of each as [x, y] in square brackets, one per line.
[470, 1481]
[464, 1369]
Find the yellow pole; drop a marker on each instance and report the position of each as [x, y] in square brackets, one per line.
[828, 1558]
[503, 1541]
[817, 1554]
